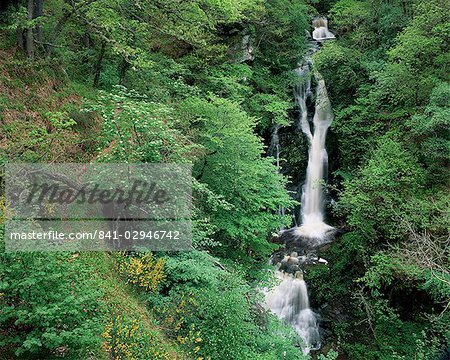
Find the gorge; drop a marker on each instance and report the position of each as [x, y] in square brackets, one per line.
[289, 300]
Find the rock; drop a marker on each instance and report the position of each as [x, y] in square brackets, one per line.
[312, 257]
[291, 239]
[276, 239]
[240, 49]
[261, 315]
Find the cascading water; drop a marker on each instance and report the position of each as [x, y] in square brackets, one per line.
[275, 150]
[312, 224]
[289, 300]
[301, 92]
[321, 31]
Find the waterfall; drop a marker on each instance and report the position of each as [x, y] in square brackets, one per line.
[321, 31]
[289, 299]
[301, 92]
[290, 302]
[312, 222]
[275, 150]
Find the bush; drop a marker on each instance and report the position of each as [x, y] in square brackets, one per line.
[49, 306]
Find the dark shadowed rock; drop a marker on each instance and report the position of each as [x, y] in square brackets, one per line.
[291, 239]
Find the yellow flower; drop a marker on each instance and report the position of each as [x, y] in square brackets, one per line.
[180, 339]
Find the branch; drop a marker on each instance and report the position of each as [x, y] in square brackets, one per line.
[215, 262]
[48, 44]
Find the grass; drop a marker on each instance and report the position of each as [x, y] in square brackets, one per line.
[28, 92]
[123, 305]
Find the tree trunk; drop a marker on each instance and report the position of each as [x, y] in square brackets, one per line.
[60, 24]
[98, 64]
[123, 67]
[57, 30]
[20, 38]
[86, 40]
[29, 39]
[38, 11]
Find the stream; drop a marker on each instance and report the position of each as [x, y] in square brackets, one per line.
[289, 300]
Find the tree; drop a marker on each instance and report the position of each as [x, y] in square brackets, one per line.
[48, 305]
[428, 133]
[384, 189]
[231, 164]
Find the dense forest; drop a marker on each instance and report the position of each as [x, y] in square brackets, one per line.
[209, 83]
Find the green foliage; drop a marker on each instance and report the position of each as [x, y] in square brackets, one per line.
[383, 191]
[174, 92]
[429, 133]
[347, 258]
[369, 26]
[421, 46]
[143, 271]
[270, 102]
[229, 81]
[389, 271]
[419, 59]
[347, 15]
[231, 165]
[60, 120]
[135, 129]
[342, 69]
[127, 338]
[49, 306]
[220, 305]
[281, 33]
[393, 156]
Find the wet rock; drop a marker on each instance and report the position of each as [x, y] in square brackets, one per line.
[291, 239]
[261, 315]
[276, 239]
[312, 257]
[240, 49]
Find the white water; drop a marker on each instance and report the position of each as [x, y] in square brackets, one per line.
[289, 301]
[321, 31]
[301, 93]
[312, 216]
[275, 150]
[313, 225]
